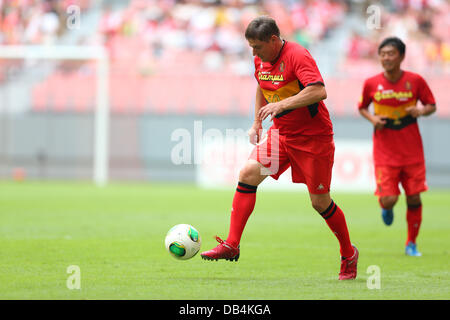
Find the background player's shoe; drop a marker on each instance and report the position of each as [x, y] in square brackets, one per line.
[411, 250]
[388, 216]
[349, 266]
[222, 251]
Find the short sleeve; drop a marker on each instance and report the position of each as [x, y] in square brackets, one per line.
[365, 99]
[306, 70]
[424, 93]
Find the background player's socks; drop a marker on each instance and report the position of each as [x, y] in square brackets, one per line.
[413, 219]
[335, 219]
[243, 205]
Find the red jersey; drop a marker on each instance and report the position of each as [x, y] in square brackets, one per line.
[399, 143]
[292, 71]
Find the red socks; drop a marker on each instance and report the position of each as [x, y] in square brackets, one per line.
[243, 204]
[413, 219]
[335, 219]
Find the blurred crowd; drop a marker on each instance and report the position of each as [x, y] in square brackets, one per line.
[161, 29]
[35, 21]
[155, 36]
[424, 25]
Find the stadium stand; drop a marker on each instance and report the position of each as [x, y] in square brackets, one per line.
[190, 57]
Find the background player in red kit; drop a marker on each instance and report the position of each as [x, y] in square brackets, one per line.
[290, 90]
[397, 144]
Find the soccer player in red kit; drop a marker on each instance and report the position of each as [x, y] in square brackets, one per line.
[397, 145]
[291, 91]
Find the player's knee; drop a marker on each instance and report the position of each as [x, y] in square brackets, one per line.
[320, 202]
[388, 201]
[320, 205]
[413, 200]
[250, 174]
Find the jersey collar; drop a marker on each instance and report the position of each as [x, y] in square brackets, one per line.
[398, 80]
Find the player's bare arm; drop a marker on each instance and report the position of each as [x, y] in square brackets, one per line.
[309, 95]
[377, 121]
[255, 131]
[426, 110]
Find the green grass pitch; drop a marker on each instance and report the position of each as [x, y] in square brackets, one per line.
[116, 237]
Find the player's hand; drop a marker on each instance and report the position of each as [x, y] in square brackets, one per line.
[414, 111]
[255, 132]
[270, 109]
[378, 122]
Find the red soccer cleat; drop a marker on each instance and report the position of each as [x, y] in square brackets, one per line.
[222, 251]
[349, 266]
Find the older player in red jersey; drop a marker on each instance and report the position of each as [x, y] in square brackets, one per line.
[397, 145]
[291, 92]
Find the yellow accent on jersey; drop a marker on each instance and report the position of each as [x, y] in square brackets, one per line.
[393, 112]
[393, 94]
[288, 90]
[270, 77]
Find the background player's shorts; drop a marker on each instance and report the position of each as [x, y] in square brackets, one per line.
[412, 177]
[310, 158]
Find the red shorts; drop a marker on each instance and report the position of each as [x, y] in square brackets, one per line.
[412, 178]
[310, 158]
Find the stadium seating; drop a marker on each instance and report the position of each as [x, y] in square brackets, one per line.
[190, 57]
